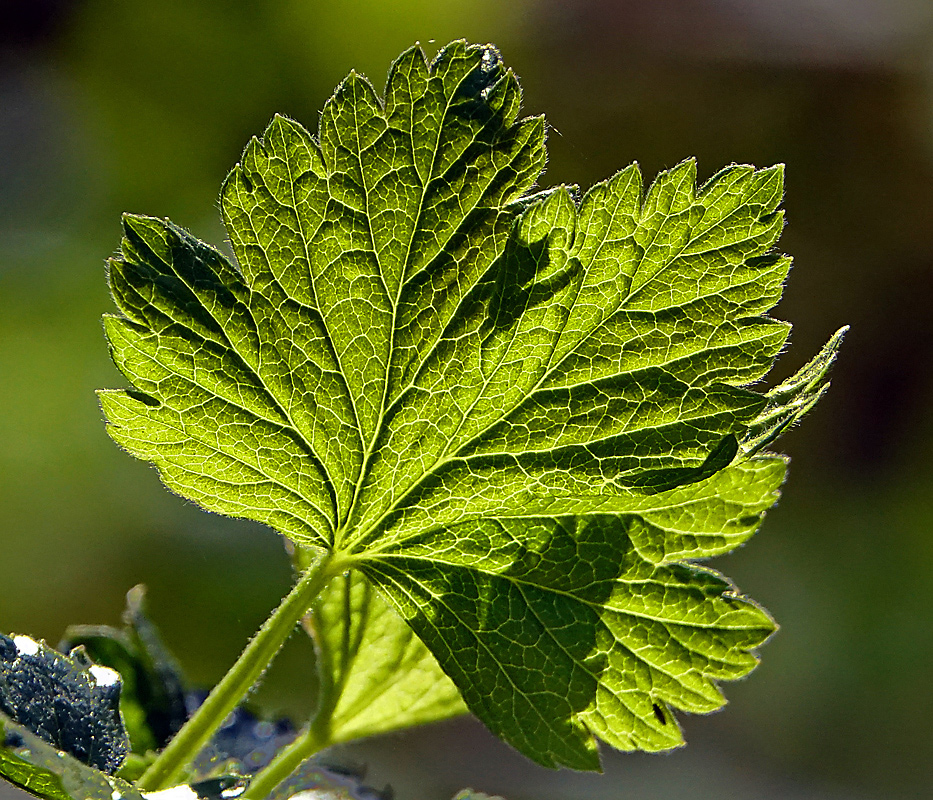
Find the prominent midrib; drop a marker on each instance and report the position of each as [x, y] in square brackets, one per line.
[307, 252]
[377, 430]
[551, 368]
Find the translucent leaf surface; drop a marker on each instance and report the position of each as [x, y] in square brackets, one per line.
[378, 676]
[421, 364]
[508, 603]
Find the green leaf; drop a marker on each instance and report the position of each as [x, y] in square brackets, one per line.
[416, 360]
[377, 676]
[44, 771]
[507, 604]
[792, 399]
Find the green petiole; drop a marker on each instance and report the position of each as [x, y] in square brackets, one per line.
[168, 768]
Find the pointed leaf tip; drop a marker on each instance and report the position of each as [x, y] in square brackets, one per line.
[791, 400]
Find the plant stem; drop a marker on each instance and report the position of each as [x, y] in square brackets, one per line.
[317, 735]
[286, 762]
[166, 770]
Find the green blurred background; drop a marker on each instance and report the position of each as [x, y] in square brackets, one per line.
[143, 105]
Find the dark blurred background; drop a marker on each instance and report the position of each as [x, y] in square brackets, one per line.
[143, 105]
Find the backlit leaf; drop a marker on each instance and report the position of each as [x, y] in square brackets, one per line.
[377, 674]
[514, 411]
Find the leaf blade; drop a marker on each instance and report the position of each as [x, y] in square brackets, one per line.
[624, 639]
[67, 701]
[412, 343]
[381, 677]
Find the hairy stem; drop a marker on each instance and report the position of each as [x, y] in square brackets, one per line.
[167, 769]
[317, 735]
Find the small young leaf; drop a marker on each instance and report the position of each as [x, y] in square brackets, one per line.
[152, 700]
[67, 701]
[417, 360]
[792, 399]
[377, 676]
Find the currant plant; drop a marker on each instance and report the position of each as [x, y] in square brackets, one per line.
[497, 425]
